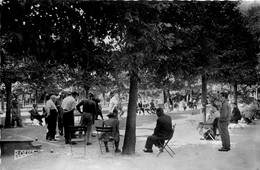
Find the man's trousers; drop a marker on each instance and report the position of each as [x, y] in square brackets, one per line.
[224, 134]
[68, 120]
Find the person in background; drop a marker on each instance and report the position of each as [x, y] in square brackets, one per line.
[224, 120]
[162, 130]
[112, 121]
[16, 112]
[152, 107]
[98, 108]
[210, 123]
[156, 104]
[60, 115]
[88, 112]
[248, 112]
[51, 117]
[140, 107]
[69, 105]
[113, 103]
[236, 115]
[183, 104]
[35, 114]
[167, 106]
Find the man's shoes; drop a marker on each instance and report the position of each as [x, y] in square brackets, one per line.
[224, 149]
[89, 143]
[117, 150]
[148, 150]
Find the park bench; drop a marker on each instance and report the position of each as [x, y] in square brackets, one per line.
[8, 146]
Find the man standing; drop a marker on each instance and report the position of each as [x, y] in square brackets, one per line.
[113, 103]
[88, 115]
[51, 118]
[224, 119]
[16, 112]
[69, 105]
[162, 130]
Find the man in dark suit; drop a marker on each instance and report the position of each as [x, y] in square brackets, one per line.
[88, 115]
[162, 130]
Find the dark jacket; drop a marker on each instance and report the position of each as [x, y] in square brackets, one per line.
[163, 126]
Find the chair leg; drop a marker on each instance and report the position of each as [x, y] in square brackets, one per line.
[165, 147]
[170, 149]
[84, 145]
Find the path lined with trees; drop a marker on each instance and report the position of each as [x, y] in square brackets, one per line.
[50, 45]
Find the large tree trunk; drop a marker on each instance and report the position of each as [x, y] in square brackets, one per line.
[36, 97]
[2, 102]
[104, 98]
[23, 99]
[204, 97]
[235, 93]
[164, 96]
[130, 133]
[8, 87]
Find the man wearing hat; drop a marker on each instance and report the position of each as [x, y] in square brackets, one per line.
[88, 115]
[69, 105]
[112, 121]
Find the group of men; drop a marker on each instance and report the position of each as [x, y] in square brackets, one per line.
[88, 108]
[64, 111]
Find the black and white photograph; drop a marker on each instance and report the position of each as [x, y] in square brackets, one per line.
[130, 85]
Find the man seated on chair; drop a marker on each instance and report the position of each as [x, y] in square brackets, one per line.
[248, 112]
[236, 115]
[209, 124]
[162, 130]
[35, 114]
[112, 121]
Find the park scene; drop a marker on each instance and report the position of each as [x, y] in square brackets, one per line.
[126, 85]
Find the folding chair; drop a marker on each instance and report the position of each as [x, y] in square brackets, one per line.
[73, 129]
[165, 146]
[104, 134]
[208, 132]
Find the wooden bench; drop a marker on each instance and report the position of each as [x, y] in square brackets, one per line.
[8, 146]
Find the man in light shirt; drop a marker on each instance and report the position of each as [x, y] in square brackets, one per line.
[51, 118]
[113, 103]
[69, 105]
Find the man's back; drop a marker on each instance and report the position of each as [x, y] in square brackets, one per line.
[164, 126]
[89, 106]
[115, 124]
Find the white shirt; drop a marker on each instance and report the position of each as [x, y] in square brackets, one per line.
[113, 103]
[50, 106]
[69, 103]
